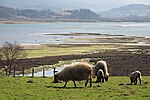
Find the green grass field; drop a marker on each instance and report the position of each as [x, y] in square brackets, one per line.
[18, 88]
[116, 88]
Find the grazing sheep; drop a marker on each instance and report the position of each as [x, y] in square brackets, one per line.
[75, 72]
[100, 76]
[134, 76]
[102, 65]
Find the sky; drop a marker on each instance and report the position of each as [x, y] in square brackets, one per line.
[95, 5]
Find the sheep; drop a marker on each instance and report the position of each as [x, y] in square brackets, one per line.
[100, 76]
[102, 65]
[134, 76]
[75, 72]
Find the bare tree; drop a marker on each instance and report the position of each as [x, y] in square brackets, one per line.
[10, 55]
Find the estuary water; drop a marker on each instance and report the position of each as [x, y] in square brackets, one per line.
[27, 34]
[34, 33]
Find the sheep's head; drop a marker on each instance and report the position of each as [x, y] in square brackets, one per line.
[106, 78]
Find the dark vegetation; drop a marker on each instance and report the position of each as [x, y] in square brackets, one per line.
[10, 55]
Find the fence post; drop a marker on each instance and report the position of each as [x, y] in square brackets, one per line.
[22, 71]
[55, 70]
[43, 72]
[54, 74]
[32, 72]
[14, 71]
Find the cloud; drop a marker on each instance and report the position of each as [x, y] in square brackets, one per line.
[95, 5]
[139, 1]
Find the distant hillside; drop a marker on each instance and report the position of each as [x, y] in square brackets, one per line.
[131, 13]
[82, 14]
[7, 14]
[135, 11]
[11, 13]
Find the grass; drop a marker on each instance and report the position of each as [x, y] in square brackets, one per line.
[18, 88]
[43, 89]
[54, 50]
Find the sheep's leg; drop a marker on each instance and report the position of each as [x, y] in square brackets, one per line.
[135, 82]
[74, 83]
[100, 80]
[65, 84]
[86, 83]
[106, 78]
[140, 80]
[103, 80]
[131, 81]
[97, 80]
[90, 82]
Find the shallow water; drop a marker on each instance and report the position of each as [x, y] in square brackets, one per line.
[48, 72]
[34, 33]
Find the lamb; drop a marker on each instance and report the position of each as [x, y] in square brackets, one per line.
[102, 65]
[134, 76]
[100, 76]
[75, 72]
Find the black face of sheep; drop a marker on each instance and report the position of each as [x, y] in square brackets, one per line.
[56, 79]
[134, 76]
[75, 72]
[106, 78]
[100, 76]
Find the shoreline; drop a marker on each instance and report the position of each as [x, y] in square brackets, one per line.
[88, 38]
[97, 38]
[55, 21]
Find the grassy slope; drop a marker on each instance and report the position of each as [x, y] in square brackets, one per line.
[43, 88]
[53, 50]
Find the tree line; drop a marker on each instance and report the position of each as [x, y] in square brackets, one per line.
[6, 12]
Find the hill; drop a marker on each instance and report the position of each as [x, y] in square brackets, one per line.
[129, 13]
[7, 13]
[135, 12]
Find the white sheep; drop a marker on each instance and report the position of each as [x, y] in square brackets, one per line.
[134, 76]
[100, 76]
[75, 72]
[102, 65]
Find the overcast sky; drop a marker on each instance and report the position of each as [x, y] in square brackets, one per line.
[96, 5]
